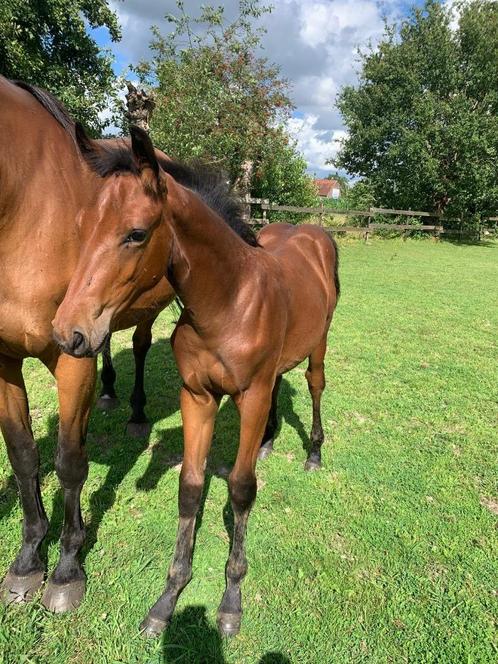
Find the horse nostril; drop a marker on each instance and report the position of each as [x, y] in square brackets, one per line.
[78, 342]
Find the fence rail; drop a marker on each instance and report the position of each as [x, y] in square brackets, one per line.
[370, 227]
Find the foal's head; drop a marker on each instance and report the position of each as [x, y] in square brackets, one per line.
[125, 242]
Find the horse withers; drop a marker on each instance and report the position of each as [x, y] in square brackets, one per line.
[252, 311]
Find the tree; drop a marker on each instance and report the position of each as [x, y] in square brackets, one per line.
[423, 121]
[216, 98]
[47, 44]
[281, 177]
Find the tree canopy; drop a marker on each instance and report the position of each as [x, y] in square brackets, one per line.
[423, 119]
[216, 97]
[47, 44]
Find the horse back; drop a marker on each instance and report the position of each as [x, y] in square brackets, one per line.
[308, 260]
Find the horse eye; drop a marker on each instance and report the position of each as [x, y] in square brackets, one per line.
[137, 236]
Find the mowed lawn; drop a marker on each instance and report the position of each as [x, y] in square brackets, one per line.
[389, 554]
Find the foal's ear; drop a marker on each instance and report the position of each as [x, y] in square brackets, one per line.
[145, 156]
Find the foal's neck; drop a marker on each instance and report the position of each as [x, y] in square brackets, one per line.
[208, 259]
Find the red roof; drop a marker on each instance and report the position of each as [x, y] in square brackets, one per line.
[325, 186]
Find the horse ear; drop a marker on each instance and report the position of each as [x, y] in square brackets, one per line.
[143, 150]
[85, 144]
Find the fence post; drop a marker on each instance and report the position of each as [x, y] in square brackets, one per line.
[266, 201]
[367, 229]
[321, 213]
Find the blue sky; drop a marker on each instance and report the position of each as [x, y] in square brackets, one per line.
[314, 42]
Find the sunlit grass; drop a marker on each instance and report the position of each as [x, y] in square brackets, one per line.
[389, 554]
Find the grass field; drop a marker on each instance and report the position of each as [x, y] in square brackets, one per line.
[389, 554]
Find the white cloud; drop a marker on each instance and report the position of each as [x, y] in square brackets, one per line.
[314, 41]
[317, 145]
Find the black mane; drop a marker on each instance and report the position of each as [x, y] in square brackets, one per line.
[116, 157]
[215, 190]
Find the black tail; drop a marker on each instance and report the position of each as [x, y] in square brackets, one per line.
[336, 269]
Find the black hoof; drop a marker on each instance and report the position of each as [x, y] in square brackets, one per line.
[229, 623]
[312, 464]
[138, 429]
[20, 589]
[60, 598]
[106, 402]
[265, 450]
[152, 627]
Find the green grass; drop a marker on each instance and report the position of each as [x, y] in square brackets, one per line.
[389, 554]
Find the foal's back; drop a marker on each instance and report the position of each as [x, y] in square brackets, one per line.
[308, 259]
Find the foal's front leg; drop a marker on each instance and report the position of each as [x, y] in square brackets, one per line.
[254, 406]
[75, 383]
[198, 414]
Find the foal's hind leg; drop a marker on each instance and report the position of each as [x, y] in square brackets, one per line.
[75, 384]
[315, 375]
[26, 573]
[142, 340]
[108, 398]
[271, 427]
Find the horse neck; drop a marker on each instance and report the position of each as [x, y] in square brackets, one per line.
[48, 174]
[208, 259]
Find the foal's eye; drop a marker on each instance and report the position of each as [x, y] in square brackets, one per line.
[136, 236]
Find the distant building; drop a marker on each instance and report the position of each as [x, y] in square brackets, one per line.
[328, 188]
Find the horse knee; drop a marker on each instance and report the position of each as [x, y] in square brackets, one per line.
[23, 455]
[189, 494]
[242, 491]
[71, 467]
[316, 380]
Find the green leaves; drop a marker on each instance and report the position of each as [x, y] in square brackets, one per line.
[47, 44]
[217, 98]
[422, 122]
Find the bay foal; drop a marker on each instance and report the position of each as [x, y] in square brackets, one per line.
[250, 314]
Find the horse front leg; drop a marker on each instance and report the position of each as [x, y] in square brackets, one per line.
[266, 447]
[76, 384]
[108, 399]
[254, 406]
[198, 415]
[26, 573]
[138, 424]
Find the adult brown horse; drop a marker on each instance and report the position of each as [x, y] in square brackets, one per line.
[250, 314]
[45, 186]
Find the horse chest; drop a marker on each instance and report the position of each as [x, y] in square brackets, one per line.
[202, 368]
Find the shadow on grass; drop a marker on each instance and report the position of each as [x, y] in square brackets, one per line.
[469, 241]
[109, 445]
[190, 639]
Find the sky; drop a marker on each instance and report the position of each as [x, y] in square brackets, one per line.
[314, 42]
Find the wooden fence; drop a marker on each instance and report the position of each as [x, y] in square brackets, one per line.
[370, 227]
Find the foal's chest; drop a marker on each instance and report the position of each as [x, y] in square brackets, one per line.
[203, 368]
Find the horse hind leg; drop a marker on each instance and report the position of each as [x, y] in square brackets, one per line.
[315, 375]
[108, 399]
[138, 424]
[271, 427]
[26, 573]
